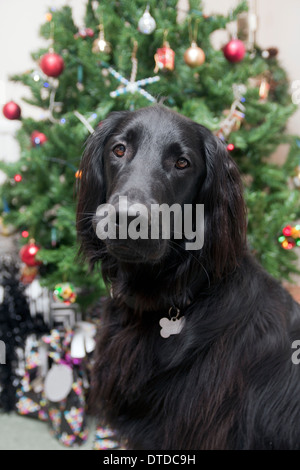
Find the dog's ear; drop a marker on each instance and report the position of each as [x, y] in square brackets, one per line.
[91, 191]
[224, 207]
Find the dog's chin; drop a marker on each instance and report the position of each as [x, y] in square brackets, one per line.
[148, 254]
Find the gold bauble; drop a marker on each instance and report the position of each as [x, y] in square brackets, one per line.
[100, 45]
[194, 55]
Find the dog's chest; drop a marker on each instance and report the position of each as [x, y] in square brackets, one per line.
[138, 353]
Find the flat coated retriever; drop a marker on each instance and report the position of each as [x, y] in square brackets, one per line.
[226, 379]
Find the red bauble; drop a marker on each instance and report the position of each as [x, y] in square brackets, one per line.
[287, 231]
[230, 147]
[89, 32]
[28, 253]
[37, 138]
[11, 110]
[234, 51]
[18, 178]
[84, 32]
[52, 64]
[164, 58]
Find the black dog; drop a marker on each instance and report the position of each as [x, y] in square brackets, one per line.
[227, 379]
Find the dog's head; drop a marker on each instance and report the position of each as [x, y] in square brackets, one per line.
[134, 163]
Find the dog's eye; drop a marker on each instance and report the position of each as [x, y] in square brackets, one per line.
[119, 150]
[182, 163]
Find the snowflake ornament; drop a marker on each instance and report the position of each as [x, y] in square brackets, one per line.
[132, 85]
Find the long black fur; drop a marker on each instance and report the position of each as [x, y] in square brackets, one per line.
[227, 380]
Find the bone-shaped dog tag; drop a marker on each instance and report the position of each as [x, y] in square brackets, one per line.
[171, 327]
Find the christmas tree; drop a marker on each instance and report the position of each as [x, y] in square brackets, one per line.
[123, 59]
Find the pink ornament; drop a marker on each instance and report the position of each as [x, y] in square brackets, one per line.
[28, 253]
[38, 138]
[11, 110]
[234, 51]
[52, 64]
